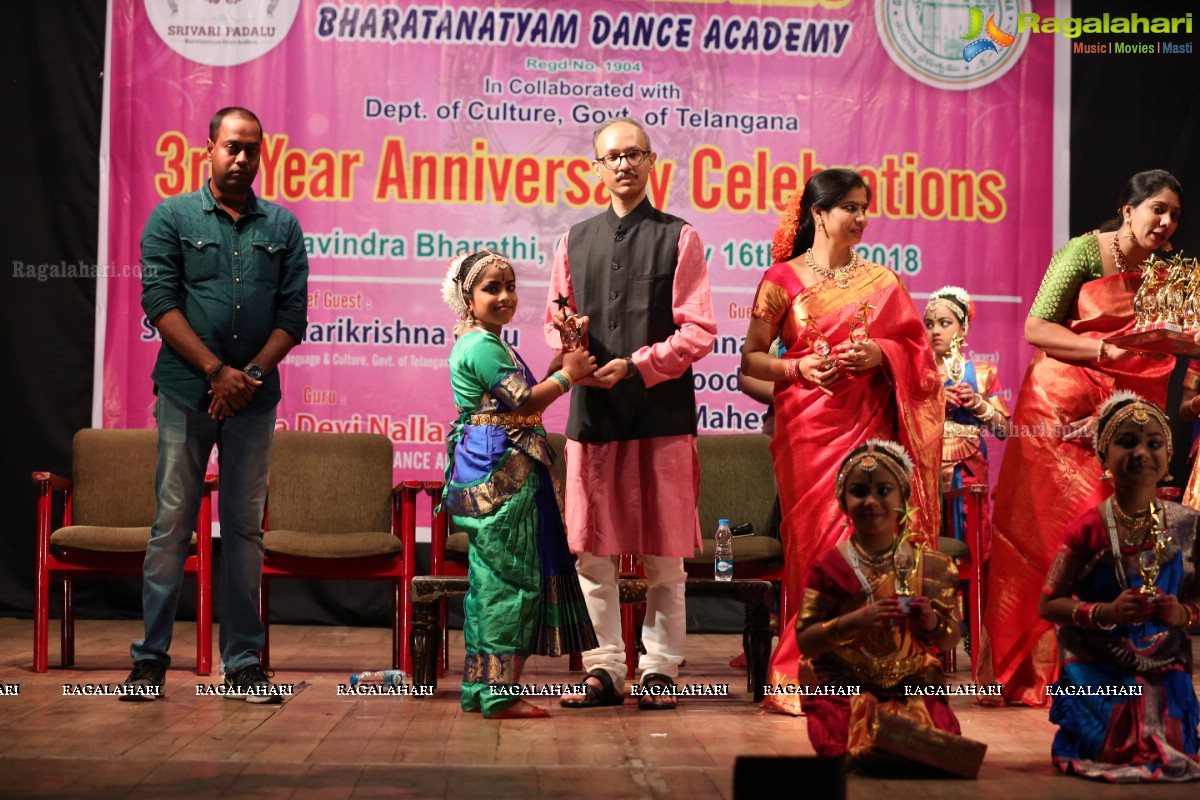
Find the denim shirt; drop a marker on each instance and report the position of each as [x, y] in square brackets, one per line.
[234, 282]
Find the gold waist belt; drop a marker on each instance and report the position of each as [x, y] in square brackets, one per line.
[955, 430]
[508, 420]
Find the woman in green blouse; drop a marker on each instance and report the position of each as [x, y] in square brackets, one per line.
[1050, 475]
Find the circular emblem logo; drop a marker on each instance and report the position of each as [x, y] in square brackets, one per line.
[222, 33]
[949, 44]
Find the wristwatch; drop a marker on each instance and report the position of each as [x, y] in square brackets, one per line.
[631, 369]
[255, 371]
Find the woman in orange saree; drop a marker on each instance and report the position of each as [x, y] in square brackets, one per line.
[1049, 475]
[857, 366]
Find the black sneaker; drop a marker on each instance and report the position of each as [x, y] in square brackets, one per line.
[145, 682]
[252, 684]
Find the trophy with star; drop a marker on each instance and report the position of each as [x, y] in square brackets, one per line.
[570, 329]
[816, 340]
[956, 364]
[905, 558]
[1150, 557]
[860, 323]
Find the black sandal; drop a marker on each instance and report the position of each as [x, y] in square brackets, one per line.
[657, 694]
[594, 697]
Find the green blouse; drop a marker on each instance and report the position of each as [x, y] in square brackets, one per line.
[1076, 263]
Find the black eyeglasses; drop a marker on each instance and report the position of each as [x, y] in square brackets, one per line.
[633, 158]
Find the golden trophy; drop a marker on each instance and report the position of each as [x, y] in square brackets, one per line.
[860, 323]
[1149, 559]
[1166, 309]
[956, 364]
[569, 331]
[905, 558]
[816, 340]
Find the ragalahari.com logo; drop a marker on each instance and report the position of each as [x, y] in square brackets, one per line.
[995, 36]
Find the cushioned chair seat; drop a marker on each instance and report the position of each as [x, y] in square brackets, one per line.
[953, 548]
[457, 545]
[107, 509]
[331, 545]
[103, 540]
[745, 549]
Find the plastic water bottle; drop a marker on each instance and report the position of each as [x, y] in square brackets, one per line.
[723, 560]
[383, 677]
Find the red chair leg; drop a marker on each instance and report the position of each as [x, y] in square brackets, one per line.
[68, 623]
[204, 618]
[41, 620]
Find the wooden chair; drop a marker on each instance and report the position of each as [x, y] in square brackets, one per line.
[333, 513]
[109, 507]
[737, 482]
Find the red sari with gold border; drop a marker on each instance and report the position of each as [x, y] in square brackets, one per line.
[1046, 482]
[902, 400]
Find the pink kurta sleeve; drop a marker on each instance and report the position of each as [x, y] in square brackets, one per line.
[692, 308]
[560, 283]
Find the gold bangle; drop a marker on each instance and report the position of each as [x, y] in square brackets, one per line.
[1101, 350]
[1094, 617]
[1079, 614]
[830, 628]
[1193, 612]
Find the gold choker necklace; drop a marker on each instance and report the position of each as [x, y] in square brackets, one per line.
[1136, 520]
[873, 561]
[841, 275]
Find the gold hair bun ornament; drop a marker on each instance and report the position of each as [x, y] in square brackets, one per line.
[452, 292]
[895, 450]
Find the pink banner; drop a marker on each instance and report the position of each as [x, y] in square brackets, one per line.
[402, 134]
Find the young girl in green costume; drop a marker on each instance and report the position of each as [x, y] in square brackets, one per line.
[524, 597]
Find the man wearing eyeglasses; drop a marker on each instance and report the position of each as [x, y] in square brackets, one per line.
[633, 475]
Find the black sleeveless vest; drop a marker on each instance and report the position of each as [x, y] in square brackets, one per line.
[623, 274]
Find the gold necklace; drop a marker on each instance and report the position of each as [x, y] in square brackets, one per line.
[1119, 258]
[841, 275]
[1136, 520]
[1137, 525]
[876, 561]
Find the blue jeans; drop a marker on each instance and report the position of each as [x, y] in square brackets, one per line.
[185, 440]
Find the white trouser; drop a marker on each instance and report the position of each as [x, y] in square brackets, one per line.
[664, 631]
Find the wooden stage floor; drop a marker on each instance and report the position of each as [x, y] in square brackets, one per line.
[321, 745]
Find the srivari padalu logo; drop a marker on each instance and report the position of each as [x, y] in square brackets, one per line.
[926, 39]
[222, 33]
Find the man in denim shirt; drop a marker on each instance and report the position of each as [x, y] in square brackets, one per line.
[225, 276]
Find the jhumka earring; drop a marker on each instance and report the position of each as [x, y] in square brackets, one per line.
[1128, 234]
[820, 226]
[1107, 476]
